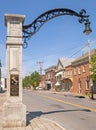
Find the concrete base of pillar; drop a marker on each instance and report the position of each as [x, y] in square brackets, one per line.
[14, 115]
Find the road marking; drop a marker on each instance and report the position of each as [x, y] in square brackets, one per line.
[69, 103]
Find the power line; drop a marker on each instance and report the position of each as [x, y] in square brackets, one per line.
[76, 52]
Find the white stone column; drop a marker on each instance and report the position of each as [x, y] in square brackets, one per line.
[14, 111]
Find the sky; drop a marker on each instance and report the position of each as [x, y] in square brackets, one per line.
[59, 37]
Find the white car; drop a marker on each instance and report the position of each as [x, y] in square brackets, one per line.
[38, 88]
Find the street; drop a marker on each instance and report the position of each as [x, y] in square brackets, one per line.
[69, 111]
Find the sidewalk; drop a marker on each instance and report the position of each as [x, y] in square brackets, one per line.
[70, 94]
[37, 123]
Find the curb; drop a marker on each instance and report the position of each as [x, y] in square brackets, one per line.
[53, 123]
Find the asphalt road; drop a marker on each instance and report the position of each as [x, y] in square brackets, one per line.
[71, 112]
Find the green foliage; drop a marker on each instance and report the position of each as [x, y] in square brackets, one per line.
[26, 82]
[88, 94]
[32, 80]
[35, 79]
[93, 66]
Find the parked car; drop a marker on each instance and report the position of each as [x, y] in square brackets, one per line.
[39, 88]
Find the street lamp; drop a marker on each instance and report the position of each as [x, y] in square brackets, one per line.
[87, 30]
[0, 76]
[30, 29]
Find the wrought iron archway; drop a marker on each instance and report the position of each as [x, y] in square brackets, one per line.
[30, 29]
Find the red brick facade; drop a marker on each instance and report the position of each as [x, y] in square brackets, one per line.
[42, 83]
[68, 78]
[80, 72]
[76, 76]
[50, 77]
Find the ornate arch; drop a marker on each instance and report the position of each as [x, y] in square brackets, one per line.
[30, 29]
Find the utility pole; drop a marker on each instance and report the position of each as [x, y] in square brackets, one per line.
[90, 80]
[40, 66]
[89, 52]
[40, 69]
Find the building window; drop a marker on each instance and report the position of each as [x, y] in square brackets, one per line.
[48, 76]
[79, 70]
[70, 73]
[87, 84]
[83, 68]
[64, 74]
[74, 71]
[80, 86]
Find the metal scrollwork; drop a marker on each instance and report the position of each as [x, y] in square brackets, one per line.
[31, 29]
[25, 44]
[83, 18]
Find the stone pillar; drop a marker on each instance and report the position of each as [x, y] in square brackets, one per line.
[14, 111]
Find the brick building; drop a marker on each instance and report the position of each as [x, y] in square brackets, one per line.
[50, 77]
[81, 74]
[76, 75]
[64, 74]
[68, 78]
[80, 70]
[59, 73]
[73, 76]
[42, 83]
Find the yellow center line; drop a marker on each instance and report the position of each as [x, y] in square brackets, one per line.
[69, 103]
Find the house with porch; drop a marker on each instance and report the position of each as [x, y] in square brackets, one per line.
[64, 74]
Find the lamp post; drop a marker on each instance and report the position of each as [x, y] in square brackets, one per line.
[30, 29]
[0, 76]
[87, 30]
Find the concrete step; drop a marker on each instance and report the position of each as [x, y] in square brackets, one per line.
[29, 127]
[44, 124]
[15, 128]
[1, 128]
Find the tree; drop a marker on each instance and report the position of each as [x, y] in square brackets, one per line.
[93, 72]
[32, 80]
[93, 66]
[35, 79]
[26, 82]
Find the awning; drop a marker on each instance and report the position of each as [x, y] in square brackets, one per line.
[57, 84]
